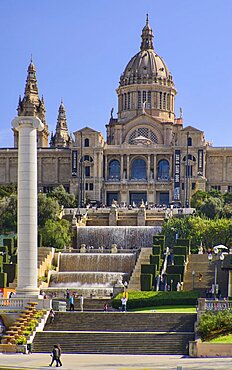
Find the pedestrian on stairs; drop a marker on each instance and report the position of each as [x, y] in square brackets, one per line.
[82, 303]
[71, 303]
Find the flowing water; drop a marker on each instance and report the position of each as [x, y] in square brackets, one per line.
[129, 237]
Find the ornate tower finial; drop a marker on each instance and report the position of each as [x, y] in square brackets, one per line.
[147, 36]
[147, 20]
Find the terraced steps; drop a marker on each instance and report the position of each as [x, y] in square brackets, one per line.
[117, 333]
[114, 343]
[121, 322]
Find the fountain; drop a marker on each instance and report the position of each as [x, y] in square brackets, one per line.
[89, 274]
[126, 237]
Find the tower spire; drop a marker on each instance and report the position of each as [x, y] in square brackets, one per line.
[61, 137]
[147, 36]
[32, 105]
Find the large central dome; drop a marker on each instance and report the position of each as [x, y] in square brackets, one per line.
[146, 66]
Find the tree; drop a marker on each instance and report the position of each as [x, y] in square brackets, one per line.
[56, 233]
[227, 198]
[8, 214]
[48, 209]
[212, 207]
[63, 197]
[198, 198]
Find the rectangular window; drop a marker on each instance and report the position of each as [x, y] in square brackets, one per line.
[164, 101]
[193, 185]
[87, 171]
[182, 186]
[189, 171]
[125, 101]
[128, 101]
[216, 187]
[91, 186]
[160, 102]
[139, 99]
[86, 186]
[149, 100]
[229, 189]
[144, 96]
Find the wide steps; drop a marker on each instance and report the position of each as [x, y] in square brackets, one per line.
[114, 343]
[116, 321]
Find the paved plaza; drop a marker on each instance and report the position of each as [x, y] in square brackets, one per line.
[114, 362]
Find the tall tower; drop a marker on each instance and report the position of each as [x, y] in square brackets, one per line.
[61, 138]
[32, 105]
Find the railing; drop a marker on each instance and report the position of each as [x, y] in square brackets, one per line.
[12, 302]
[213, 305]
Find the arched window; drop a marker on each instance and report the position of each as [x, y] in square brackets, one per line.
[138, 169]
[86, 142]
[163, 170]
[114, 169]
[189, 142]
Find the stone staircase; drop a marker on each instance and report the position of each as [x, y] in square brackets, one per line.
[200, 265]
[144, 258]
[117, 333]
[45, 256]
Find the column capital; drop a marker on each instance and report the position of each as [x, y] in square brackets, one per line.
[27, 121]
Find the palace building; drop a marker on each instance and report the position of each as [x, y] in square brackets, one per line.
[148, 153]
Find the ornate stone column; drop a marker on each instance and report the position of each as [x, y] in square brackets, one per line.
[27, 127]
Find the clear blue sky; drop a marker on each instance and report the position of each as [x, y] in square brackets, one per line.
[80, 48]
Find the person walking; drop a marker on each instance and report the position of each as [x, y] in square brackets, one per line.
[124, 300]
[59, 355]
[55, 355]
[71, 303]
[82, 303]
[51, 316]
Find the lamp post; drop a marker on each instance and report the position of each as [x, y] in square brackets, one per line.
[193, 277]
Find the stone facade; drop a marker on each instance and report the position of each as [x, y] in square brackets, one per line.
[148, 154]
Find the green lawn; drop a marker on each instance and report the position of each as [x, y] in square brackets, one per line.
[222, 339]
[166, 309]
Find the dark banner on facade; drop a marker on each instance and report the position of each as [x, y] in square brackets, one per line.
[176, 196]
[74, 163]
[200, 162]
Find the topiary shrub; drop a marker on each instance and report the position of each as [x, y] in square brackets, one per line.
[179, 260]
[156, 249]
[180, 251]
[155, 260]
[146, 282]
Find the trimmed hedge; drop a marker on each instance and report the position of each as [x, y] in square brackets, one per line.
[146, 282]
[175, 269]
[3, 279]
[183, 242]
[9, 243]
[148, 269]
[179, 260]
[5, 254]
[180, 251]
[156, 249]
[159, 240]
[10, 270]
[138, 299]
[155, 260]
